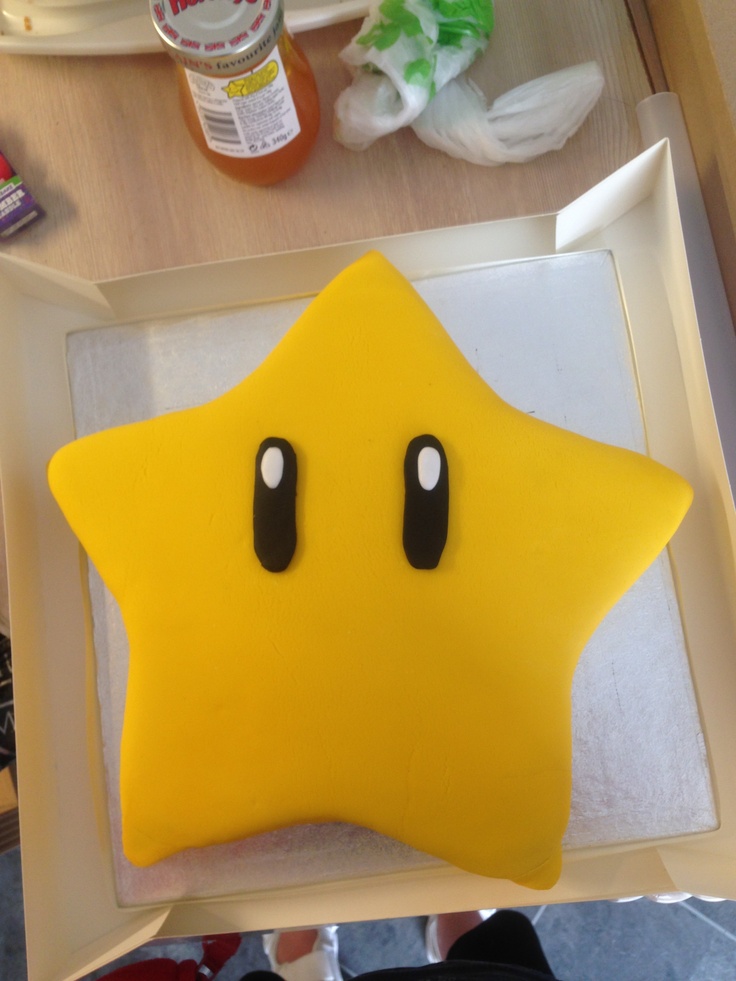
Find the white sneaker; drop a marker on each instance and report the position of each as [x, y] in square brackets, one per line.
[320, 964]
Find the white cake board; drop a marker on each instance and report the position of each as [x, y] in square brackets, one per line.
[551, 337]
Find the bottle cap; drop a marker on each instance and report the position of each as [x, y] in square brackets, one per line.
[218, 37]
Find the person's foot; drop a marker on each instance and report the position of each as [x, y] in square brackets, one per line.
[293, 944]
[304, 955]
[445, 928]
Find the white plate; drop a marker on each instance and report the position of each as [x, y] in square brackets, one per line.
[92, 30]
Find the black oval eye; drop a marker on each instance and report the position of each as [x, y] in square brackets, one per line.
[426, 501]
[274, 504]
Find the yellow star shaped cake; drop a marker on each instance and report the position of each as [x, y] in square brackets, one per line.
[388, 574]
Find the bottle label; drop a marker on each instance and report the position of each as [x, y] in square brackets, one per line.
[247, 116]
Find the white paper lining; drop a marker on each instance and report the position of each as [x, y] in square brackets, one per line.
[550, 336]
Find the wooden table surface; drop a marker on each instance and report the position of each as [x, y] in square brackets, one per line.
[102, 145]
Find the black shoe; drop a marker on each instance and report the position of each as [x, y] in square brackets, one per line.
[7, 717]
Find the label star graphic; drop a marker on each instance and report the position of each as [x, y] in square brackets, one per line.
[428, 702]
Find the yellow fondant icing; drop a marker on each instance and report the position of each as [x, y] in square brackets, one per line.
[430, 705]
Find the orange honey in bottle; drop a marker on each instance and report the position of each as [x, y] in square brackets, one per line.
[246, 89]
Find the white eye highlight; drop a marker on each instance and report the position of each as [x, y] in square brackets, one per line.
[429, 467]
[272, 467]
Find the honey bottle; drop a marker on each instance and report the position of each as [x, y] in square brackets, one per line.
[247, 91]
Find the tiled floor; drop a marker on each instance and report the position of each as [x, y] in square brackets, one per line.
[638, 941]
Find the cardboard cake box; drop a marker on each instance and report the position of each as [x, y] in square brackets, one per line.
[84, 907]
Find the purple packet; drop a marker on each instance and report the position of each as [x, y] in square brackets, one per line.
[18, 207]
